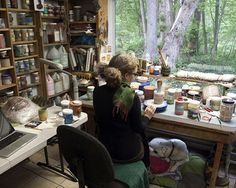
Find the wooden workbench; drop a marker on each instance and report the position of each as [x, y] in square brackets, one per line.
[181, 125]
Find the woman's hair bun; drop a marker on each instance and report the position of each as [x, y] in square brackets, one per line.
[112, 77]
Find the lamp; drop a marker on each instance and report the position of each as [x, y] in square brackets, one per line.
[59, 67]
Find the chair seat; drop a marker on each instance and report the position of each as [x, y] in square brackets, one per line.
[134, 174]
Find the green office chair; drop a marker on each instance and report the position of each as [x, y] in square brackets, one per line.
[91, 163]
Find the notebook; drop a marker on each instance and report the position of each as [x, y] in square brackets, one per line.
[11, 140]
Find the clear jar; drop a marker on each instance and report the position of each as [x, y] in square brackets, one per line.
[18, 35]
[6, 79]
[32, 64]
[26, 64]
[25, 4]
[170, 96]
[226, 109]
[21, 18]
[50, 10]
[24, 35]
[77, 13]
[71, 15]
[31, 49]
[13, 38]
[193, 109]
[30, 34]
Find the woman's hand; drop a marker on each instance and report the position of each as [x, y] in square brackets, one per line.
[149, 111]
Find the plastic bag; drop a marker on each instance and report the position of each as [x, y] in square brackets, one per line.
[20, 110]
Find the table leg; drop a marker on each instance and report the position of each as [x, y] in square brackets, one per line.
[60, 170]
[216, 164]
[227, 161]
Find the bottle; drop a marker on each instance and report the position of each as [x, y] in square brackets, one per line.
[45, 34]
[63, 56]
[50, 85]
[53, 55]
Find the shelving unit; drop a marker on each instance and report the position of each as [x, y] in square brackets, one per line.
[54, 27]
[24, 45]
[7, 69]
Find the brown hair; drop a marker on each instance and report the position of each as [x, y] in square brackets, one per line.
[119, 65]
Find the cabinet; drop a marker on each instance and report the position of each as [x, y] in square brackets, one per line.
[18, 48]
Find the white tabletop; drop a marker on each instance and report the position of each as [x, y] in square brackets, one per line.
[43, 134]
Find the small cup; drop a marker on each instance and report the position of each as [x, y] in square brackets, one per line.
[43, 114]
[65, 104]
[90, 92]
[68, 115]
[76, 106]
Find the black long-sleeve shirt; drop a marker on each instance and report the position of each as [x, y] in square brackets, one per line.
[121, 138]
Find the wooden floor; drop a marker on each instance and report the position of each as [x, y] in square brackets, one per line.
[29, 175]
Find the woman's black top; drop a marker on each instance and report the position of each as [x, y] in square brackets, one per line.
[120, 137]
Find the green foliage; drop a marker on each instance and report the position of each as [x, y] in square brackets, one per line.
[129, 34]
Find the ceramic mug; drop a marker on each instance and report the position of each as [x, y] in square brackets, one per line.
[65, 104]
[68, 115]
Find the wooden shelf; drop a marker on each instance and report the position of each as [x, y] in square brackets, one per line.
[25, 57]
[57, 94]
[22, 26]
[4, 29]
[52, 17]
[3, 9]
[83, 33]
[27, 72]
[55, 44]
[25, 42]
[2, 87]
[4, 49]
[29, 86]
[19, 10]
[82, 22]
[6, 68]
[84, 46]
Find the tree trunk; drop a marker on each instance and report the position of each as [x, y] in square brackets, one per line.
[216, 30]
[175, 36]
[144, 21]
[193, 43]
[151, 47]
[204, 28]
[165, 19]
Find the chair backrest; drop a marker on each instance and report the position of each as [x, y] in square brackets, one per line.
[76, 146]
